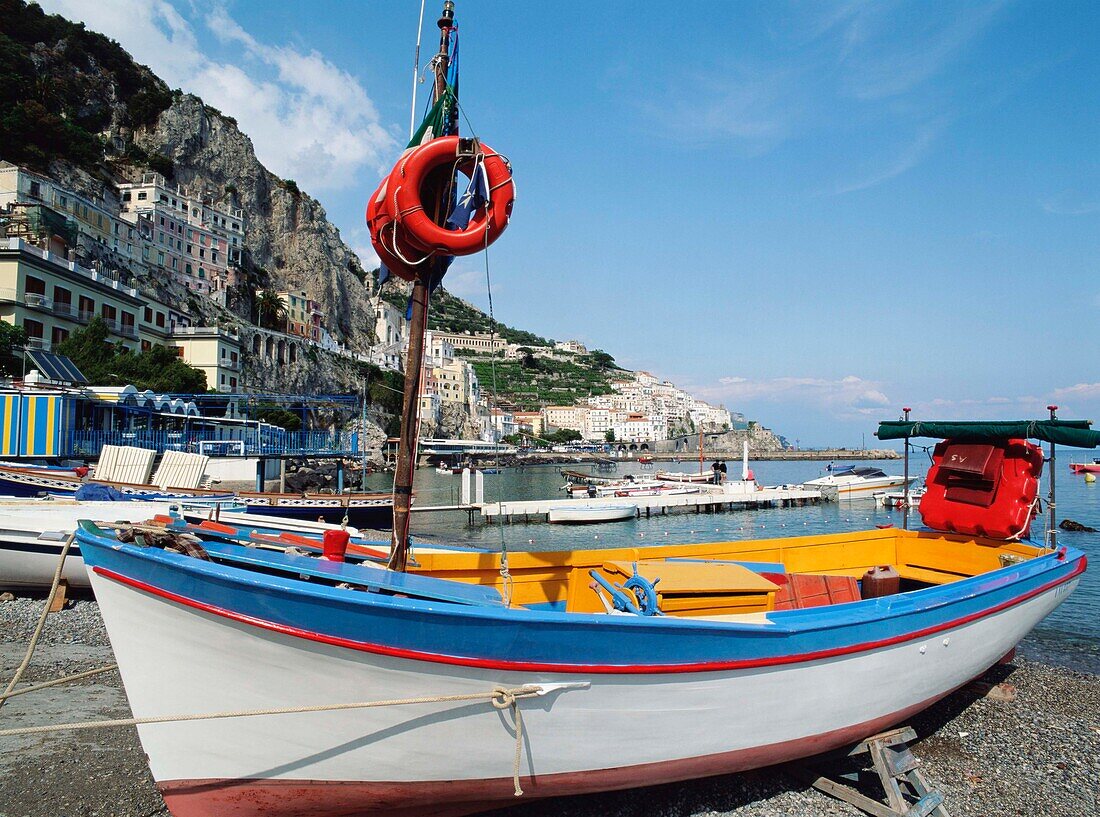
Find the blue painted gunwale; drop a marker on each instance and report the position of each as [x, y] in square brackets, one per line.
[554, 641]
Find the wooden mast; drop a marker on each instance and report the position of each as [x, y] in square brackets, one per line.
[414, 363]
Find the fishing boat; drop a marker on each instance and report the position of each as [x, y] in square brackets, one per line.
[361, 509]
[855, 482]
[464, 679]
[75, 471]
[450, 683]
[588, 514]
[34, 531]
[1085, 467]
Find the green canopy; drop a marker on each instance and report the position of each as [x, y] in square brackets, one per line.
[1076, 433]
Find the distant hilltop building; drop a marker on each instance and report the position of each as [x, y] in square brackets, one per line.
[474, 341]
[641, 409]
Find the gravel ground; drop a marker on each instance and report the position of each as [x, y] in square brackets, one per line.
[1039, 754]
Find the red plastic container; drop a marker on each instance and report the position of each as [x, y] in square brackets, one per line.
[335, 545]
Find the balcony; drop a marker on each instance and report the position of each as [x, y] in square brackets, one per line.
[37, 301]
[85, 315]
[128, 330]
[37, 344]
[64, 308]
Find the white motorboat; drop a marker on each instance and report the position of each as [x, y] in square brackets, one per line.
[587, 514]
[899, 499]
[856, 482]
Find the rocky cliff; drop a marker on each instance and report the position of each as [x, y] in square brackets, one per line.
[290, 241]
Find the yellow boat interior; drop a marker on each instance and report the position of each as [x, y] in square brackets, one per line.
[741, 578]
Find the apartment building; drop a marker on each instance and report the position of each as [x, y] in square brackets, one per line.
[198, 242]
[304, 317]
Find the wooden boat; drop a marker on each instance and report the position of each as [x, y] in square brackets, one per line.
[34, 531]
[588, 514]
[661, 641]
[360, 509]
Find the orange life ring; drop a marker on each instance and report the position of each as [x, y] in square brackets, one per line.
[485, 225]
[383, 236]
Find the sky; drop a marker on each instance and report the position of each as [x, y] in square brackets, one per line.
[812, 213]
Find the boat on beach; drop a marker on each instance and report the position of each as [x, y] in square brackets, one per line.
[272, 677]
[361, 509]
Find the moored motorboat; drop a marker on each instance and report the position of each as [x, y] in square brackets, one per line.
[855, 482]
[588, 514]
[1085, 467]
[899, 499]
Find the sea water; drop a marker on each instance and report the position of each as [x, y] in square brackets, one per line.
[1069, 636]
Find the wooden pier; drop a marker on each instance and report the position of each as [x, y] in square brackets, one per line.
[712, 500]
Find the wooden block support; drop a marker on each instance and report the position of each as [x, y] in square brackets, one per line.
[60, 597]
[898, 772]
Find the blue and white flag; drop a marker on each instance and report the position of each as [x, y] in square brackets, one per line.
[475, 197]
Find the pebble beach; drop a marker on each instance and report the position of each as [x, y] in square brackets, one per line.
[1036, 754]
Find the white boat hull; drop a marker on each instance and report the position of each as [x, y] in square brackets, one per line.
[592, 513]
[619, 731]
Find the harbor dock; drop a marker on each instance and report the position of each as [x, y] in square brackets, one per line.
[712, 499]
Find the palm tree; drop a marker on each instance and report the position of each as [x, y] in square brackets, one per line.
[270, 311]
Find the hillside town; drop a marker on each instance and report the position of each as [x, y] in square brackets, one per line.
[153, 263]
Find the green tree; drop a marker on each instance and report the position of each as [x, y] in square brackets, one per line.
[610, 435]
[109, 364]
[278, 416]
[12, 338]
[270, 311]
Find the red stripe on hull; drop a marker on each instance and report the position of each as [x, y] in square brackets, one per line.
[603, 669]
[318, 798]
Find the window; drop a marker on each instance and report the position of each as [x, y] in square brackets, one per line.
[232, 382]
[146, 346]
[126, 196]
[35, 286]
[127, 320]
[190, 250]
[202, 272]
[87, 307]
[34, 328]
[109, 313]
[160, 258]
[62, 299]
[162, 221]
[160, 319]
[214, 256]
[174, 263]
[36, 190]
[187, 269]
[142, 196]
[236, 226]
[147, 315]
[164, 198]
[202, 253]
[58, 334]
[190, 235]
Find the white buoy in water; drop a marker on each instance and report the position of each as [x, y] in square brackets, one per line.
[1090, 478]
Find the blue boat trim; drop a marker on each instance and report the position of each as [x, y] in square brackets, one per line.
[554, 641]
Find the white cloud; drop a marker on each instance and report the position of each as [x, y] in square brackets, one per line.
[1087, 391]
[845, 398]
[906, 159]
[1070, 203]
[309, 120]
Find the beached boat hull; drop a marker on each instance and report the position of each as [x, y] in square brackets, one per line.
[362, 511]
[1085, 468]
[651, 700]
